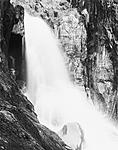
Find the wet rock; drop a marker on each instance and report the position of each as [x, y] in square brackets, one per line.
[72, 34]
[72, 135]
[102, 54]
[19, 127]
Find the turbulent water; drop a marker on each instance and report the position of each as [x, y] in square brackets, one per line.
[57, 101]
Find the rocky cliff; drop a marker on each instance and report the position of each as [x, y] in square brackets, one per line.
[102, 53]
[19, 127]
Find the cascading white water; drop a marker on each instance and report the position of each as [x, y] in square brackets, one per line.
[56, 100]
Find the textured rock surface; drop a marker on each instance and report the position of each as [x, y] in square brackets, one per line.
[7, 22]
[18, 28]
[72, 34]
[102, 57]
[19, 127]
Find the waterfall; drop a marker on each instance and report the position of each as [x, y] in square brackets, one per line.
[57, 101]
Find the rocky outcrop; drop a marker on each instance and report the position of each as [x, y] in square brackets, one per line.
[19, 127]
[72, 35]
[102, 57]
[7, 22]
[73, 135]
[18, 28]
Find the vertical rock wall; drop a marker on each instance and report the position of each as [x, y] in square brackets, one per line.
[102, 57]
[72, 34]
[6, 25]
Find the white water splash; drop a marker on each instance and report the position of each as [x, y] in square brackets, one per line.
[56, 100]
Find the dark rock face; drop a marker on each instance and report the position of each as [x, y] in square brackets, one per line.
[6, 25]
[102, 58]
[8, 16]
[19, 127]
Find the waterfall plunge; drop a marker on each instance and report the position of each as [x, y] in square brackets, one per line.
[56, 100]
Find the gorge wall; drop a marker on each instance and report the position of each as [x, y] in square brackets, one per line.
[87, 31]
